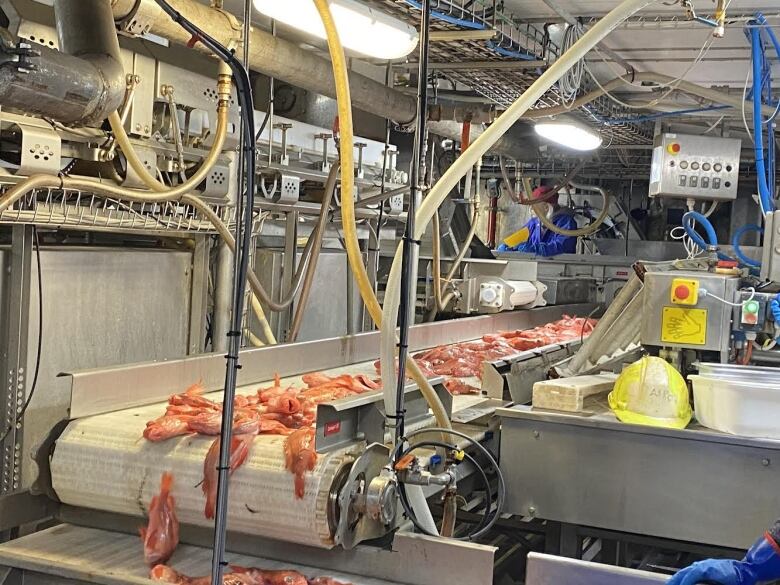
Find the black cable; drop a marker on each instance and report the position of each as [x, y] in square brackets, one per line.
[23, 411]
[409, 288]
[487, 517]
[245, 100]
[501, 490]
[265, 123]
[585, 324]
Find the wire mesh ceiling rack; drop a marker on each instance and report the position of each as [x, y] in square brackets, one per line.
[525, 44]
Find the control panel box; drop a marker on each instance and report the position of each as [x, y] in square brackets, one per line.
[687, 310]
[695, 167]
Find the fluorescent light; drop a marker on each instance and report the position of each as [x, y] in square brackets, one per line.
[362, 29]
[569, 135]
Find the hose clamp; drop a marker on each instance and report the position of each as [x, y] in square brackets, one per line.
[236, 27]
[140, 19]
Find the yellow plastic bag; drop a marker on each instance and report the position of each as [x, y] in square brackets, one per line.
[651, 392]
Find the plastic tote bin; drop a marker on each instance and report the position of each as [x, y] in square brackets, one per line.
[737, 407]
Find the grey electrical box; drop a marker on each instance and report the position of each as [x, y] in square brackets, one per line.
[695, 167]
[700, 321]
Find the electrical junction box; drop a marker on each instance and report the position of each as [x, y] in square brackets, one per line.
[704, 326]
[695, 167]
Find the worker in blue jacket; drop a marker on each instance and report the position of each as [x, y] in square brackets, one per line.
[535, 238]
[760, 565]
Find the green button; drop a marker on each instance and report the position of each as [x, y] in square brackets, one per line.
[751, 307]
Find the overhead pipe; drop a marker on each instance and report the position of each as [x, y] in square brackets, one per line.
[712, 95]
[82, 82]
[273, 56]
[517, 143]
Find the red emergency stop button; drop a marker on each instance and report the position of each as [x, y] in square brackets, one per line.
[684, 291]
[674, 148]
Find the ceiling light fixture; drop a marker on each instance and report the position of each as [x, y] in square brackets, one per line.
[362, 29]
[569, 134]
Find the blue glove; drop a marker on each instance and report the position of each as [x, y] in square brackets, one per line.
[504, 248]
[760, 565]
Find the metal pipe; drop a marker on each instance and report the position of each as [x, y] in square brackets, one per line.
[83, 82]
[517, 143]
[318, 235]
[223, 280]
[278, 58]
[713, 95]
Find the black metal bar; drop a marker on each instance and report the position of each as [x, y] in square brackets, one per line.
[407, 293]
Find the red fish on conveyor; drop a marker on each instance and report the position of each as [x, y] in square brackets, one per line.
[241, 576]
[165, 574]
[239, 451]
[457, 387]
[264, 577]
[193, 396]
[300, 456]
[166, 427]
[284, 404]
[161, 535]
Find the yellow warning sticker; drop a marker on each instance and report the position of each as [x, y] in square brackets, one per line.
[684, 326]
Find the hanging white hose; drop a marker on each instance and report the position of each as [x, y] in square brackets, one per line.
[478, 149]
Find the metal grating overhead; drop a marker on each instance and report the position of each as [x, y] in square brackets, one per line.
[525, 44]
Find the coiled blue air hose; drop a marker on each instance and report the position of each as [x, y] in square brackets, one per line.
[735, 243]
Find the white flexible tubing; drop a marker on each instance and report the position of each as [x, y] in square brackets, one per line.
[472, 155]
[420, 506]
[264, 324]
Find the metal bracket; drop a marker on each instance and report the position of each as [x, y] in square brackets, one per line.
[355, 523]
[141, 18]
[17, 56]
[218, 183]
[290, 189]
[41, 147]
[149, 157]
[359, 418]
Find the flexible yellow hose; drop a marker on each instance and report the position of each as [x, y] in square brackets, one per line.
[348, 205]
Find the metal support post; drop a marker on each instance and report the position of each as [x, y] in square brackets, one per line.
[16, 343]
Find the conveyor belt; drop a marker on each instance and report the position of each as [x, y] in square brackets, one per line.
[103, 462]
[112, 558]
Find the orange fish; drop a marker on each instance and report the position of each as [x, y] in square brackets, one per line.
[326, 581]
[284, 404]
[165, 574]
[300, 456]
[161, 535]
[192, 396]
[263, 577]
[167, 427]
[269, 426]
[239, 451]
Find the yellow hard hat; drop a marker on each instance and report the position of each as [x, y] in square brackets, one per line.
[651, 392]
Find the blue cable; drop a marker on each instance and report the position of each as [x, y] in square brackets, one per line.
[448, 18]
[765, 196]
[774, 308]
[510, 53]
[695, 216]
[649, 117]
[761, 19]
[474, 25]
[735, 243]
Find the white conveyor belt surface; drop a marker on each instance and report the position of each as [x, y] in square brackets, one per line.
[112, 558]
[103, 462]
